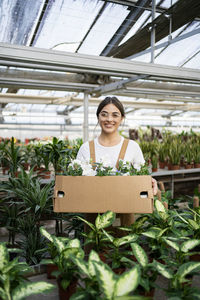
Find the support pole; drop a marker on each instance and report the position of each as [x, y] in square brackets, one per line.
[85, 124]
[153, 31]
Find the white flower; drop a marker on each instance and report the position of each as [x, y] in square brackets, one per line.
[137, 166]
[76, 162]
[89, 172]
[126, 174]
[105, 161]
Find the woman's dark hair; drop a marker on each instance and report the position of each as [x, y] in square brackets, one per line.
[110, 100]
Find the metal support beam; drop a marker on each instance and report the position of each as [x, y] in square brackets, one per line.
[169, 42]
[153, 30]
[37, 58]
[85, 124]
[111, 87]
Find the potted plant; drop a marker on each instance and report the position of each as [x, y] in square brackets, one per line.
[179, 286]
[66, 274]
[13, 283]
[102, 283]
[117, 248]
[154, 163]
[189, 156]
[174, 155]
[96, 236]
[12, 154]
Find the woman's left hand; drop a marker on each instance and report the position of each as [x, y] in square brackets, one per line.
[154, 186]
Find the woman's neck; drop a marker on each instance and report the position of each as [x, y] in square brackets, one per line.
[109, 140]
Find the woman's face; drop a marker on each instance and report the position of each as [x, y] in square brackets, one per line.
[110, 118]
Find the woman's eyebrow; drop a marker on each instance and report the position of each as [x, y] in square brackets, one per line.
[114, 112]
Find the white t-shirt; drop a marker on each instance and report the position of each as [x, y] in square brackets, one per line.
[110, 154]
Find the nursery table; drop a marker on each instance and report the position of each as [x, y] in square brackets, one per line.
[177, 176]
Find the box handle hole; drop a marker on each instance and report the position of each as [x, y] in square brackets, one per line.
[144, 194]
[60, 194]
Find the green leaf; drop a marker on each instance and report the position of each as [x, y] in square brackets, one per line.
[172, 244]
[105, 220]
[75, 243]
[187, 268]
[3, 294]
[46, 234]
[82, 265]
[194, 224]
[125, 240]
[161, 209]
[106, 279]
[31, 288]
[93, 256]
[86, 222]
[140, 254]
[162, 270]
[65, 283]
[188, 245]
[130, 298]
[127, 282]
[4, 256]
[152, 232]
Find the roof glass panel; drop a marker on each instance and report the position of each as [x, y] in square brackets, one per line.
[66, 23]
[104, 29]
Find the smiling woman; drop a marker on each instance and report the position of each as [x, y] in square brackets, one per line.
[110, 146]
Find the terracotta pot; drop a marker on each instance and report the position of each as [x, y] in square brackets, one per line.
[175, 167]
[66, 294]
[189, 166]
[154, 169]
[169, 166]
[197, 165]
[50, 269]
[162, 164]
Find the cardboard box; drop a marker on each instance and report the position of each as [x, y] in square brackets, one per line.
[92, 194]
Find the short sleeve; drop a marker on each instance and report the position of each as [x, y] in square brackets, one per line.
[134, 153]
[84, 152]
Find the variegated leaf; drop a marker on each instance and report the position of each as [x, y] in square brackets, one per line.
[194, 224]
[109, 236]
[46, 234]
[125, 240]
[82, 265]
[3, 294]
[152, 232]
[188, 245]
[187, 268]
[68, 252]
[106, 279]
[105, 220]
[26, 289]
[93, 256]
[161, 209]
[4, 256]
[86, 222]
[140, 254]
[172, 244]
[75, 243]
[127, 282]
[58, 244]
[163, 270]
[130, 298]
